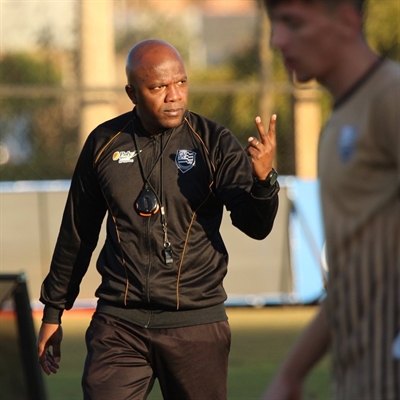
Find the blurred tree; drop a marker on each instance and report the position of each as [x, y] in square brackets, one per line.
[25, 69]
[34, 143]
[382, 27]
[149, 24]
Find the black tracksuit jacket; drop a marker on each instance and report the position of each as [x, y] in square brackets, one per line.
[202, 169]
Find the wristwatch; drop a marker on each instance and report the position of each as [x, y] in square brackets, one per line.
[269, 181]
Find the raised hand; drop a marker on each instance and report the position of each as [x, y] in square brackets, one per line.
[262, 150]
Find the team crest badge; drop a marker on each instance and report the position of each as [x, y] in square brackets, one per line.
[347, 142]
[185, 160]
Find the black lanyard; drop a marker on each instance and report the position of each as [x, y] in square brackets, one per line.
[148, 202]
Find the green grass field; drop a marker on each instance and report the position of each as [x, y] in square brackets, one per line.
[260, 339]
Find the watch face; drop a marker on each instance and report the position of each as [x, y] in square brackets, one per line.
[273, 176]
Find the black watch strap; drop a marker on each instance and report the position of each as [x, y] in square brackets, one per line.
[269, 181]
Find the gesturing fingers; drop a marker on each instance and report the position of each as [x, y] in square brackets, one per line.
[267, 139]
[267, 136]
[262, 150]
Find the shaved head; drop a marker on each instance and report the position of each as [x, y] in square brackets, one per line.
[143, 54]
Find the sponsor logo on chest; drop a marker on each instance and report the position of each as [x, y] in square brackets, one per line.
[124, 157]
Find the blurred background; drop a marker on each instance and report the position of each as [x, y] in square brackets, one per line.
[62, 72]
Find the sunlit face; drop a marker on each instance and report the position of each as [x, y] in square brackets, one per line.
[306, 34]
[159, 90]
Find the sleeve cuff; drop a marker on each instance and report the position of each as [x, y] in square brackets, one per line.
[261, 192]
[52, 315]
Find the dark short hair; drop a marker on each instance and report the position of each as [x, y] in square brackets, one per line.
[358, 4]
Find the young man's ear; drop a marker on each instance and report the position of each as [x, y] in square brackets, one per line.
[130, 91]
[351, 21]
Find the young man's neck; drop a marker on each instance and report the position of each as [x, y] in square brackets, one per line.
[354, 64]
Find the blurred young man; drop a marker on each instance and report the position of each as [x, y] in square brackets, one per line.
[163, 175]
[359, 171]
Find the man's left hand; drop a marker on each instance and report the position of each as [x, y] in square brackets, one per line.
[262, 150]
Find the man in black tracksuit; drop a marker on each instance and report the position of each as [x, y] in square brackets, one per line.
[162, 174]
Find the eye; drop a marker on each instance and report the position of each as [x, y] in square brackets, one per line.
[158, 88]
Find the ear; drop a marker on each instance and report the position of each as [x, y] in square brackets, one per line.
[350, 21]
[131, 92]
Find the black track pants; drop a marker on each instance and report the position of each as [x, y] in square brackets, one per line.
[123, 361]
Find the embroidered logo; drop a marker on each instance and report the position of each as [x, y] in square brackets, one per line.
[347, 142]
[185, 160]
[124, 156]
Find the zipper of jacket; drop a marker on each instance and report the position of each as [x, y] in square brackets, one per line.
[149, 240]
[148, 297]
[149, 246]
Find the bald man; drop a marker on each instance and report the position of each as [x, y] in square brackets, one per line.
[162, 174]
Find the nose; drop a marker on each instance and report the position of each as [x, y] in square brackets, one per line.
[278, 37]
[173, 94]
